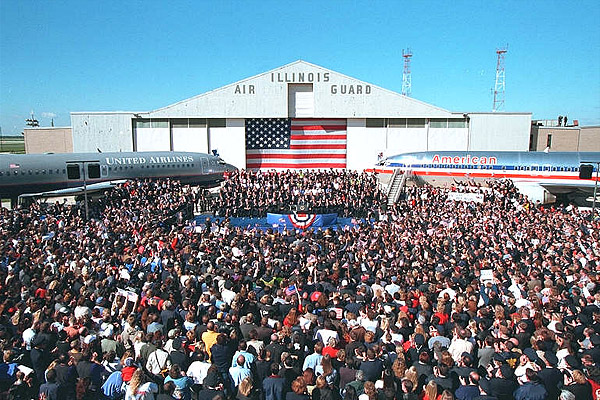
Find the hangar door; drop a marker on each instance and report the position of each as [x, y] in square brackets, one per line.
[190, 135]
[301, 100]
[152, 135]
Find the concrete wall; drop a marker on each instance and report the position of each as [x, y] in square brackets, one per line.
[107, 131]
[565, 138]
[589, 139]
[48, 140]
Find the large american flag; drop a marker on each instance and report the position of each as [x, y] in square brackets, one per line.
[284, 143]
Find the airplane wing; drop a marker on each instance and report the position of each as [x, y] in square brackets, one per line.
[563, 187]
[92, 188]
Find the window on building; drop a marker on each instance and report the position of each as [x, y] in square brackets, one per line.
[438, 123]
[415, 122]
[549, 141]
[198, 122]
[142, 123]
[457, 123]
[216, 123]
[397, 122]
[179, 123]
[159, 123]
[375, 123]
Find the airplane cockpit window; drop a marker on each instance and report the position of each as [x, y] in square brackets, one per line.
[73, 171]
[94, 171]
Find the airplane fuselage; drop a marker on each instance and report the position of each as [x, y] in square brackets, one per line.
[32, 173]
[555, 173]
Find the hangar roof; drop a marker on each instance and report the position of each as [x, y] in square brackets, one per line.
[268, 95]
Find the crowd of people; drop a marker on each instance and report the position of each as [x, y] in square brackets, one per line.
[254, 193]
[433, 299]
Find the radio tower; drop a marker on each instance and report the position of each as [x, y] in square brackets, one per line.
[500, 86]
[406, 78]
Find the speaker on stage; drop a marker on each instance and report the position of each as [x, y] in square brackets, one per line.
[302, 208]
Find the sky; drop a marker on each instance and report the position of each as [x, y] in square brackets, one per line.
[57, 57]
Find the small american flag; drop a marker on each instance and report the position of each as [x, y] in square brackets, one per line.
[14, 166]
[283, 143]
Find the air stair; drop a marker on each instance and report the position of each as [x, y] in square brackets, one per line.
[396, 186]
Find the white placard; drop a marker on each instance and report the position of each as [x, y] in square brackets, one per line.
[456, 196]
[486, 275]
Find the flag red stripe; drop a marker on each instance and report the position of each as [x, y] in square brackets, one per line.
[294, 156]
[318, 127]
[316, 146]
[295, 166]
[317, 137]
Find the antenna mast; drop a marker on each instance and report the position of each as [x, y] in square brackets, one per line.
[500, 85]
[406, 75]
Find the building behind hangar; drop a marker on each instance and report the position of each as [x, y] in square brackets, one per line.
[300, 115]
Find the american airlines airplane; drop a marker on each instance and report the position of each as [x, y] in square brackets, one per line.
[539, 175]
[47, 175]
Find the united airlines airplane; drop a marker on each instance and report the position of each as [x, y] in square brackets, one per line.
[541, 176]
[47, 175]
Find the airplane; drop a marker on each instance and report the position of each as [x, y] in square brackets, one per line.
[542, 176]
[50, 175]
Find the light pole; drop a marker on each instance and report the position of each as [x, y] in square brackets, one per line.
[83, 164]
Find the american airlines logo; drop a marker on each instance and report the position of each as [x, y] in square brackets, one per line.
[463, 160]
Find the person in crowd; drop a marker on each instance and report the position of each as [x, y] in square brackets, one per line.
[274, 385]
[49, 390]
[183, 384]
[246, 390]
[139, 389]
[298, 391]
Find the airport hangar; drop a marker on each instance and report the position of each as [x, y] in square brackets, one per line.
[376, 120]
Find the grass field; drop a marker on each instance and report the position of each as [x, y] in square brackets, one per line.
[12, 144]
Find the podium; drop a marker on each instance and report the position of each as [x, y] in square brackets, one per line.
[298, 220]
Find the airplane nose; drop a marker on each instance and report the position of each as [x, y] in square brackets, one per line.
[230, 168]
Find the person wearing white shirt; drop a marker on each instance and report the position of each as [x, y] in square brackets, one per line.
[392, 287]
[460, 345]
[29, 334]
[327, 332]
[158, 360]
[198, 370]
